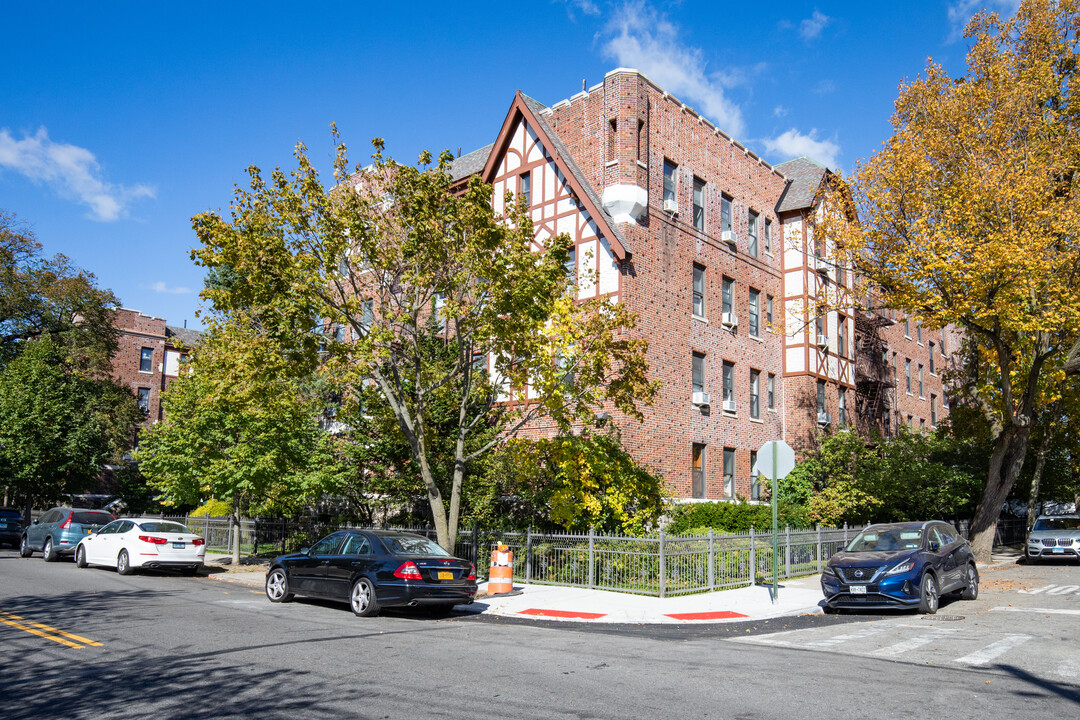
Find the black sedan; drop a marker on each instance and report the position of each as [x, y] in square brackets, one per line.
[373, 569]
[907, 565]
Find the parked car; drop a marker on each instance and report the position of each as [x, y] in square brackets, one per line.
[11, 527]
[373, 569]
[906, 565]
[133, 543]
[1054, 536]
[59, 530]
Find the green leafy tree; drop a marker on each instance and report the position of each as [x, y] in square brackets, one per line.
[968, 216]
[58, 426]
[389, 249]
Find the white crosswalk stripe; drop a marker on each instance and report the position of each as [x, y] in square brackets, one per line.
[994, 650]
[914, 643]
[872, 629]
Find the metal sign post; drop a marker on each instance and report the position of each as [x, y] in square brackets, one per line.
[775, 460]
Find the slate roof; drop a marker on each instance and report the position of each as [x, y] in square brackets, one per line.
[561, 151]
[190, 338]
[805, 177]
[470, 163]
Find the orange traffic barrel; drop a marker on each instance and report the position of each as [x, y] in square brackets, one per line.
[501, 576]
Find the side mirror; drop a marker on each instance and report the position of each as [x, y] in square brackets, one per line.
[934, 546]
[305, 551]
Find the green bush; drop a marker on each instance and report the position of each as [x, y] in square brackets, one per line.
[213, 508]
[724, 517]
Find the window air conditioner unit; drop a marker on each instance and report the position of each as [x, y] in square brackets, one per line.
[702, 398]
[823, 418]
[823, 341]
[729, 406]
[730, 320]
[729, 237]
[671, 206]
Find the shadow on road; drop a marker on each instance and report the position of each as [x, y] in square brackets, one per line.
[1062, 690]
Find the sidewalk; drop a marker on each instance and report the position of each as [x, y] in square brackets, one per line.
[549, 602]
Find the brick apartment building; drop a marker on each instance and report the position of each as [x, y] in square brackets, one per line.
[713, 249]
[148, 357]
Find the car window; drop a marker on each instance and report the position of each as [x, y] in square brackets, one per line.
[48, 517]
[91, 518]
[947, 534]
[932, 536]
[164, 526]
[327, 545]
[412, 545]
[1057, 523]
[356, 545]
[125, 526]
[885, 540]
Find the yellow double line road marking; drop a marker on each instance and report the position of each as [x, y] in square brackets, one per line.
[49, 633]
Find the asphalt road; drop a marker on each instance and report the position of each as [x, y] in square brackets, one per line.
[165, 646]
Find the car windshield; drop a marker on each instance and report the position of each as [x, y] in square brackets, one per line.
[91, 518]
[412, 545]
[163, 526]
[1057, 523]
[13, 514]
[890, 539]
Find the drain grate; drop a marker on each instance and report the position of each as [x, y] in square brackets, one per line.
[943, 618]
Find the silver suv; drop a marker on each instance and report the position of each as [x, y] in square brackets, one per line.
[1054, 536]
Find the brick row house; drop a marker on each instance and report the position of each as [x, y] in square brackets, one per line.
[713, 249]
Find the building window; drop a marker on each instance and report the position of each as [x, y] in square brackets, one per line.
[698, 473]
[920, 381]
[699, 291]
[525, 187]
[699, 204]
[907, 328]
[144, 400]
[640, 138]
[821, 396]
[933, 410]
[769, 310]
[841, 406]
[367, 313]
[918, 333]
[819, 327]
[771, 390]
[755, 394]
[755, 313]
[755, 479]
[932, 372]
[729, 382]
[768, 235]
[611, 138]
[437, 314]
[146, 359]
[942, 342]
[841, 335]
[752, 232]
[339, 332]
[907, 376]
[727, 298]
[725, 213]
[670, 179]
[698, 378]
[571, 263]
[729, 472]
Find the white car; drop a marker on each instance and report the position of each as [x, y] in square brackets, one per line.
[131, 543]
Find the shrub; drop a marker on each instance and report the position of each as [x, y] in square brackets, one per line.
[725, 517]
[213, 508]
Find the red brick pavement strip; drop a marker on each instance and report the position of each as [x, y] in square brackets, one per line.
[717, 615]
[562, 614]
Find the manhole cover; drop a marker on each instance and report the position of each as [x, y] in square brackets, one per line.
[943, 618]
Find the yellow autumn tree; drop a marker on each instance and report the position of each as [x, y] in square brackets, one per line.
[968, 215]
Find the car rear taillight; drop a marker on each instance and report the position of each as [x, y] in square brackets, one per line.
[198, 541]
[153, 540]
[67, 523]
[408, 571]
[472, 572]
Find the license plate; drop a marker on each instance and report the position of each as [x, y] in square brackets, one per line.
[443, 575]
[178, 546]
[1059, 550]
[858, 589]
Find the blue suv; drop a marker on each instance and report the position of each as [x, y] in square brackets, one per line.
[905, 565]
[59, 530]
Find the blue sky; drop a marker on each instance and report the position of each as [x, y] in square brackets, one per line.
[119, 121]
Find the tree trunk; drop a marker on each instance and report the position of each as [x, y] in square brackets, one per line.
[234, 520]
[1006, 460]
[1036, 478]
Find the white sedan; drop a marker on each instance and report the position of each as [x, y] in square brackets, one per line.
[132, 543]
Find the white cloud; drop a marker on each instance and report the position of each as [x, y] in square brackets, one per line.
[812, 26]
[793, 144]
[585, 7]
[961, 11]
[639, 37]
[779, 111]
[73, 172]
[161, 287]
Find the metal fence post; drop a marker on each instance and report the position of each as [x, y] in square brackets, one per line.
[255, 539]
[528, 555]
[787, 551]
[284, 533]
[475, 544]
[819, 547]
[845, 533]
[753, 557]
[712, 564]
[663, 566]
[592, 558]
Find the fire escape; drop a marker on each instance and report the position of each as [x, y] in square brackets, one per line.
[873, 375]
